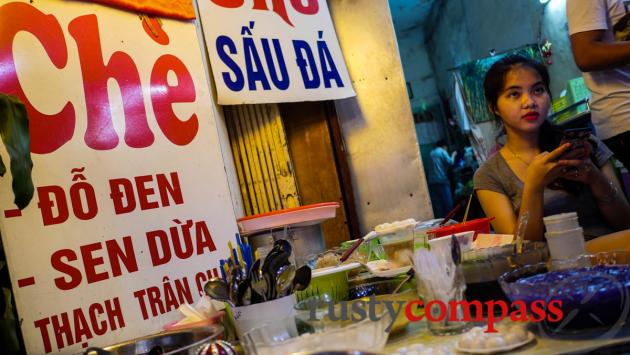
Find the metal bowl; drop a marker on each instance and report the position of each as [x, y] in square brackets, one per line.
[187, 341]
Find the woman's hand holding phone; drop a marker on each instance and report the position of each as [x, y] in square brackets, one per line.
[577, 159]
[580, 170]
[581, 147]
[548, 166]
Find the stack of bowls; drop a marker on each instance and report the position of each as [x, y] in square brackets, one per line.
[564, 235]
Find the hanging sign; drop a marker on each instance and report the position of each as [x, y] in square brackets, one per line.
[130, 209]
[264, 51]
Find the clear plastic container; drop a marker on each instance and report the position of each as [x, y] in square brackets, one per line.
[294, 335]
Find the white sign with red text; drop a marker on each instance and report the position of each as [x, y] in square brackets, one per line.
[264, 51]
[131, 209]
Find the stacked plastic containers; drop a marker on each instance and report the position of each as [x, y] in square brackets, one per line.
[565, 237]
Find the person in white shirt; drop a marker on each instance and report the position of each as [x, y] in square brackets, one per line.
[600, 38]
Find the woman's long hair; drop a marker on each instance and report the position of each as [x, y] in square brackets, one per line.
[548, 136]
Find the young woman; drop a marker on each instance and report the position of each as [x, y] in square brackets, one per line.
[534, 173]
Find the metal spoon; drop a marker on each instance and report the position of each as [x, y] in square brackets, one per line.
[233, 287]
[270, 280]
[217, 289]
[273, 253]
[258, 283]
[302, 278]
[283, 245]
[244, 292]
[284, 279]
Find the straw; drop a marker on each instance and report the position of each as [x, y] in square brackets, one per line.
[241, 259]
[467, 208]
[226, 272]
[233, 253]
[247, 251]
[223, 269]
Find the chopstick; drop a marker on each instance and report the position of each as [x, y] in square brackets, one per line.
[356, 244]
[451, 214]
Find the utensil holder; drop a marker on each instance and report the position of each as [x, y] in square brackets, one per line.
[249, 317]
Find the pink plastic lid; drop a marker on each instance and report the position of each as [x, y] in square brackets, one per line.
[296, 216]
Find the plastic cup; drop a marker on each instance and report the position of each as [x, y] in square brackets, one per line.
[442, 297]
[561, 222]
[398, 245]
[567, 244]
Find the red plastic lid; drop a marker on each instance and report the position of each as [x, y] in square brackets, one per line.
[461, 227]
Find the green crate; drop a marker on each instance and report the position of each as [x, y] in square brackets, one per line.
[576, 91]
[558, 105]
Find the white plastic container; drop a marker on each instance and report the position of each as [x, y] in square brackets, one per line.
[567, 244]
[249, 317]
[561, 222]
[420, 237]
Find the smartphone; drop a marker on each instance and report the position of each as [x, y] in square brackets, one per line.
[572, 134]
[578, 137]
